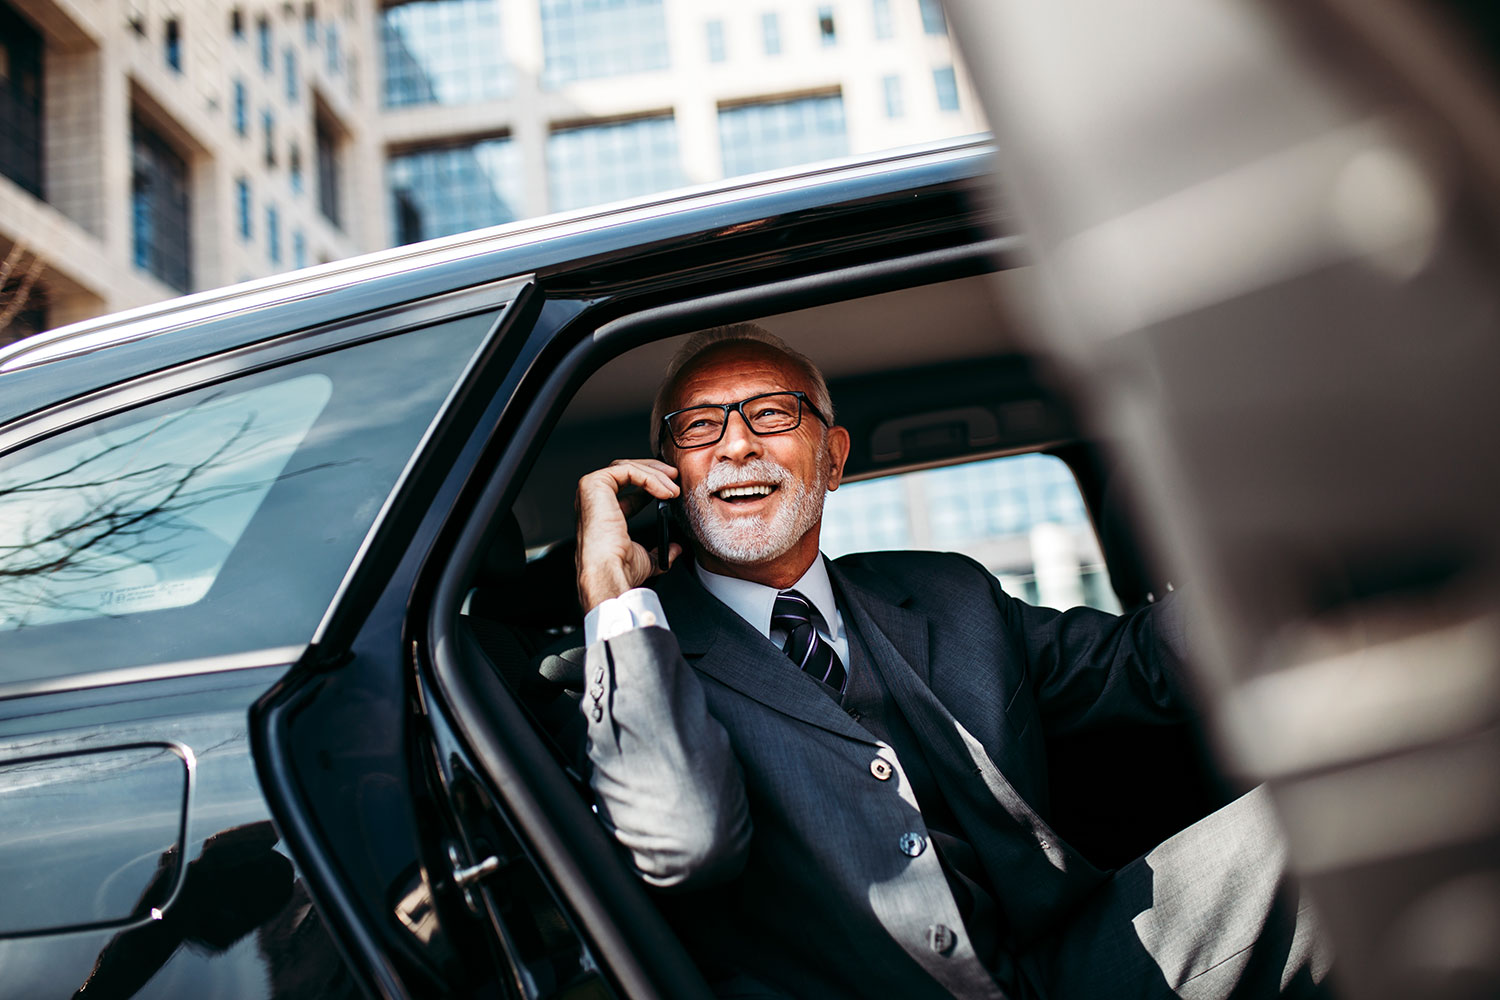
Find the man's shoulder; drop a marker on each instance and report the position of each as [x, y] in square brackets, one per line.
[914, 568]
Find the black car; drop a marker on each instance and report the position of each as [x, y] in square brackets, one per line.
[286, 594]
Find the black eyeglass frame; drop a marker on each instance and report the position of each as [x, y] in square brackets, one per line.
[803, 402]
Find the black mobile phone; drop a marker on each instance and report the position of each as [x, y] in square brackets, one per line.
[663, 532]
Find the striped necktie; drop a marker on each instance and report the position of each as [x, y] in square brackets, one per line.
[793, 614]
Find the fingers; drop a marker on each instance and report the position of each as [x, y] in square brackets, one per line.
[673, 551]
[609, 562]
[657, 478]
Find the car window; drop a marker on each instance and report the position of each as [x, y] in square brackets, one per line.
[217, 521]
[1022, 516]
[141, 516]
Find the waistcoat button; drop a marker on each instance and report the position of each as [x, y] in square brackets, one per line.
[880, 769]
[913, 844]
[941, 939]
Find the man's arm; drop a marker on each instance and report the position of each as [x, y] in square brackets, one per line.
[665, 780]
[1088, 667]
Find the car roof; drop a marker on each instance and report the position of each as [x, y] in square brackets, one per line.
[74, 360]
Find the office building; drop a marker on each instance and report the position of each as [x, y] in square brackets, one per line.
[154, 147]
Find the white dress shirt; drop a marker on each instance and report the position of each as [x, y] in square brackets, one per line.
[640, 608]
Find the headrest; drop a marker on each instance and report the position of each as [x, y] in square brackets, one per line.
[505, 560]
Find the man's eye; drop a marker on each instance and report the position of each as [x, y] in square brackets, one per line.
[698, 423]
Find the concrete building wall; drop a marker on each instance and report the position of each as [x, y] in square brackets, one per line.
[105, 65]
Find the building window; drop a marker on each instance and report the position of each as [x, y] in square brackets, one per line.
[242, 205]
[881, 12]
[583, 39]
[827, 32]
[160, 208]
[289, 66]
[310, 23]
[770, 30]
[263, 34]
[268, 129]
[273, 235]
[299, 250]
[294, 165]
[893, 104]
[452, 189]
[334, 52]
[241, 112]
[933, 21]
[444, 52]
[770, 134]
[173, 42]
[20, 101]
[716, 51]
[947, 88]
[592, 164]
[237, 23]
[330, 197]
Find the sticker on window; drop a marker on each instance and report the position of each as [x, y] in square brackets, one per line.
[122, 518]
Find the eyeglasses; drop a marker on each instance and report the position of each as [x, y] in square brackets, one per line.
[767, 413]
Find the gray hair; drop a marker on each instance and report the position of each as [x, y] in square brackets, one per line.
[743, 333]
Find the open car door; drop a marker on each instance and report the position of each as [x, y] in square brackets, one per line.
[1269, 235]
[430, 886]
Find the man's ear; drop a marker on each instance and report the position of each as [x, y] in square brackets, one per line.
[838, 454]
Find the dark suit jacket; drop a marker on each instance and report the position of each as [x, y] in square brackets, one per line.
[741, 785]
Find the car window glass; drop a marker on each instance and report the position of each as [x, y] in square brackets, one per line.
[217, 521]
[1022, 516]
[141, 516]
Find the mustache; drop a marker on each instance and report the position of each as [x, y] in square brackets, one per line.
[756, 470]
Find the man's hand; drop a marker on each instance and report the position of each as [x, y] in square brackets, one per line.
[609, 561]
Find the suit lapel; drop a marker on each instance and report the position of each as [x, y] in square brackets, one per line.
[719, 643]
[876, 606]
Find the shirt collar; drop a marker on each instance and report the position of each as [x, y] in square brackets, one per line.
[754, 601]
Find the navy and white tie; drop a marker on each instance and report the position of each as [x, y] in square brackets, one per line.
[793, 614]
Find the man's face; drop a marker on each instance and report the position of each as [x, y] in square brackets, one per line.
[755, 503]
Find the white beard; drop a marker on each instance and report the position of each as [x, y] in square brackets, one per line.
[749, 540]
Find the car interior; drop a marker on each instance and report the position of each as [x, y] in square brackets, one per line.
[934, 375]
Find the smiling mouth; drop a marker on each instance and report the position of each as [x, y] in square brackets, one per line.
[745, 494]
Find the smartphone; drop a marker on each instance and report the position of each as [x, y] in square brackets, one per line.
[663, 532]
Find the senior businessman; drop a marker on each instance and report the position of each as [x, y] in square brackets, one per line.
[834, 772]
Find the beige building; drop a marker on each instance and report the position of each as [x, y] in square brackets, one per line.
[151, 148]
[154, 147]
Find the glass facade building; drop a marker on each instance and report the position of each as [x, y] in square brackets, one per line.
[443, 52]
[592, 164]
[769, 134]
[585, 39]
[452, 189]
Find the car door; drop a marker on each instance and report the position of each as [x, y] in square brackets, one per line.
[429, 885]
[169, 546]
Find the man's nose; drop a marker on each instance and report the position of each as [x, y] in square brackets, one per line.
[739, 441]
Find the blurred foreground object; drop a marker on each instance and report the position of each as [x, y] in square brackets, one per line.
[1268, 241]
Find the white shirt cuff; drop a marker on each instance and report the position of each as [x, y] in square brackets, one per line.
[638, 608]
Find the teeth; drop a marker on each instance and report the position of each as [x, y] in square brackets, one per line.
[746, 491]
